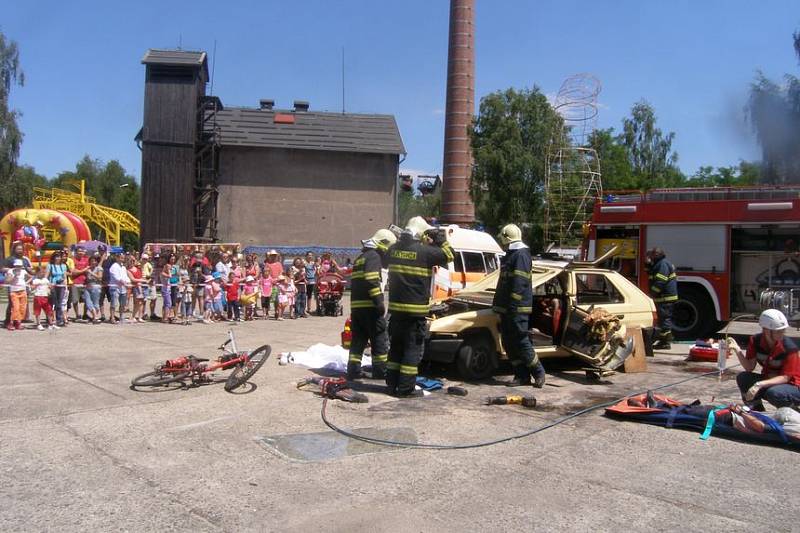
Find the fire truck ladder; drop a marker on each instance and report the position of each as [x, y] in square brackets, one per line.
[206, 191]
[111, 221]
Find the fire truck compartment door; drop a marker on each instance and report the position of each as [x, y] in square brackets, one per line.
[699, 247]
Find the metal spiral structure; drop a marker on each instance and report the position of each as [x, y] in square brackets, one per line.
[572, 172]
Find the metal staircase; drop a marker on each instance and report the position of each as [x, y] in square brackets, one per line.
[206, 189]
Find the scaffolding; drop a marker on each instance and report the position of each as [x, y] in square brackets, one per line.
[572, 172]
[111, 221]
[206, 189]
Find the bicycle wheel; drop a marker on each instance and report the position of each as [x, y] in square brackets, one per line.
[242, 373]
[158, 377]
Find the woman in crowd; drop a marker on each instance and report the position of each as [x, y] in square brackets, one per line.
[311, 280]
[94, 284]
[57, 272]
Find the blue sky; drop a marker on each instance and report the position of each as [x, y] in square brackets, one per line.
[693, 60]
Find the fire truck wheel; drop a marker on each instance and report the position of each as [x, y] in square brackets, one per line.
[693, 314]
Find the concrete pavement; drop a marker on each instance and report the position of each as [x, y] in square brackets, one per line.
[80, 451]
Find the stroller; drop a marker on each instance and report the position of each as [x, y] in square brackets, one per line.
[330, 288]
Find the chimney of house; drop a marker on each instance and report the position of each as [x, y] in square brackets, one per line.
[300, 106]
[266, 104]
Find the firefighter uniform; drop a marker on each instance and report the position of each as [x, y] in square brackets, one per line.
[410, 264]
[513, 301]
[367, 310]
[664, 291]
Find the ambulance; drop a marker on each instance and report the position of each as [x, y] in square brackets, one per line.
[477, 254]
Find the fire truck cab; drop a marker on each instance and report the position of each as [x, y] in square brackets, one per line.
[730, 246]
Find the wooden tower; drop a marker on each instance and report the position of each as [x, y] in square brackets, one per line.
[175, 86]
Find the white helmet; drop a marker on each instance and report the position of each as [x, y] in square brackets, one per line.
[418, 226]
[773, 319]
[510, 233]
[382, 239]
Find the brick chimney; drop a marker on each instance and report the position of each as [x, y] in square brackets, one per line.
[457, 207]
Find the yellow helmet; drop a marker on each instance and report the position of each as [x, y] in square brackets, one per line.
[417, 226]
[510, 233]
[383, 239]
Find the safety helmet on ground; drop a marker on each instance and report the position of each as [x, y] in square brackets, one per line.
[383, 239]
[773, 319]
[418, 226]
[510, 233]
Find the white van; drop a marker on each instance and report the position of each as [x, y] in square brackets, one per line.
[476, 255]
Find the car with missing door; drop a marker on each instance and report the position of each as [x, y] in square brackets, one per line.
[465, 331]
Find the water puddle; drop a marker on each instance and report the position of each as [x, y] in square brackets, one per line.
[576, 403]
[329, 445]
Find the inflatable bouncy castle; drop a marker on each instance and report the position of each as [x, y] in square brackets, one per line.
[41, 231]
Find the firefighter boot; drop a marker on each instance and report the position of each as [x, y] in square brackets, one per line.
[392, 376]
[664, 341]
[406, 384]
[522, 377]
[379, 366]
[538, 375]
[354, 371]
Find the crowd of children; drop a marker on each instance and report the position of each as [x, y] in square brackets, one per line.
[209, 286]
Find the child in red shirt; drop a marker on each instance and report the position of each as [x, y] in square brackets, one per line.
[232, 295]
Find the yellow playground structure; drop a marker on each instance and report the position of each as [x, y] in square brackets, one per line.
[111, 221]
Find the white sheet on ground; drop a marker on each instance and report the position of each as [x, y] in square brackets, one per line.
[325, 356]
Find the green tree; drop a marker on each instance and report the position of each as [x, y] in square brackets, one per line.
[774, 113]
[411, 205]
[649, 150]
[18, 190]
[615, 167]
[109, 183]
[745, 173]
[10, 135]
[510, 137]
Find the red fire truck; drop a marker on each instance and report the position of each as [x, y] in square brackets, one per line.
[735, 249]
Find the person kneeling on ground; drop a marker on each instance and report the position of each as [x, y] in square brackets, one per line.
[779, 381]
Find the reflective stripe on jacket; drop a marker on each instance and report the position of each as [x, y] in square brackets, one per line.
[365, 281]
[514, 294]
[663, 281]
[410, 264]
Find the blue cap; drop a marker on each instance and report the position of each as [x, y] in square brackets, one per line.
[216, 275]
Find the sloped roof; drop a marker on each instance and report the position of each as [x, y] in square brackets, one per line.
[310, 130]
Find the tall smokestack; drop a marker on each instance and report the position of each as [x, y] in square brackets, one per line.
[457, 207]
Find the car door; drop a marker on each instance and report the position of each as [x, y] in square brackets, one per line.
[589, 290]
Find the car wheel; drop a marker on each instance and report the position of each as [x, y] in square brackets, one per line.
[477, 358]
[693, 314]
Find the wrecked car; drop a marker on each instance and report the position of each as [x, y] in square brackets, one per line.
[567, 298]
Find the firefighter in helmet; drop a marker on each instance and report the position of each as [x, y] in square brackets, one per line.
[513, 301]
[419, 248]
[367, 310]
[664, 292]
